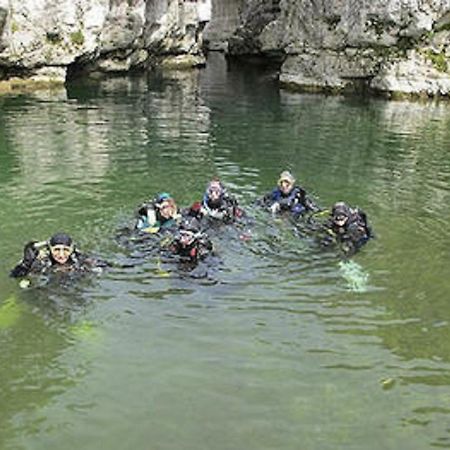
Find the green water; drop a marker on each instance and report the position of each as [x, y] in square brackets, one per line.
[285, 347]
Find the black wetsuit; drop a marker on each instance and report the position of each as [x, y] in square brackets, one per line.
[198, 249]
[351, 236]
[38, 260]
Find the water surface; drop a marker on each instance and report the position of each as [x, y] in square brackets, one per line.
[284, 346]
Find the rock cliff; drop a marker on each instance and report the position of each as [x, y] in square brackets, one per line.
[389, 46]
[48, 39]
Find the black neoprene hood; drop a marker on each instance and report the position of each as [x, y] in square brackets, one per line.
[61, 239]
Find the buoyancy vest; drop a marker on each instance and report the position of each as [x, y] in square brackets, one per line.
[224, 210]
[294, 201]
[150, 219]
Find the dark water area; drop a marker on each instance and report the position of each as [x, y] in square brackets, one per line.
[283, 346]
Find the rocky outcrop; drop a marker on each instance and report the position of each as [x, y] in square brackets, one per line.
[225, 19]
[389, 46]
[256, 17]
[46, 39]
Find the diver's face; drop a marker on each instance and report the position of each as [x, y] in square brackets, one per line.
[214, 192]
[286, 186]
[167, 210]
[61, 253]
[340, 220]
[186, 238]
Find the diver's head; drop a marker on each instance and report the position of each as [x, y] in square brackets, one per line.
[61, 248]
[340, 214]
[214, 192]
[286, 182]
[188, 231]
[165, 205]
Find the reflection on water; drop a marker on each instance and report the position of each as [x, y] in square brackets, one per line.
[55, 142]
[285, 346]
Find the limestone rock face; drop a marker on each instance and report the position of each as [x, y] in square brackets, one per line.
[225, 19]
[390, 46]
[46, 37]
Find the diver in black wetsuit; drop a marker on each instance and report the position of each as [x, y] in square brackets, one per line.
[58, 254]
[347, 227]
[217, 204]
[190, 243]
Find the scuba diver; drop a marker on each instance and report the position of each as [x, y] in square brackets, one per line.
[190, 243]
[216, 204]
[347, 227]
[287, 196]
[58, 254]
[159, 214]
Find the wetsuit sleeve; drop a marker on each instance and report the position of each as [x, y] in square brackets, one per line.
[365, 224]
[205, 247]
[30, 253]
[357, 233]
[267, 199]
[311, 205]
[141, 214]
[327, 235]
[19, 271]
[306, 201]
[87, 263]
[146, 216]
[142, 210]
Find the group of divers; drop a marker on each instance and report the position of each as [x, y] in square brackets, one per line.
[186, 231]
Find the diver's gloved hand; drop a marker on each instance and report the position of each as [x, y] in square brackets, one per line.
[275, 207]
[30, 253]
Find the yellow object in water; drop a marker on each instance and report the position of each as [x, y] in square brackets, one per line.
[321, 213]
[161, 272]
[9, 313]
[25, 283]
[387, 383]
[85, 330]
[152, 230]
